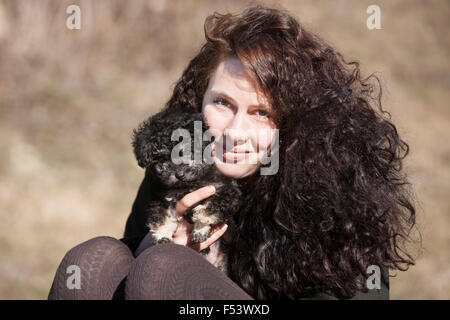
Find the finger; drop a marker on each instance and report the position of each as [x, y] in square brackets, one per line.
[213, 238]
[181, 235]
[192, 198]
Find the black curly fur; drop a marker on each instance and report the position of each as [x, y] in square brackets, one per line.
[153, 145]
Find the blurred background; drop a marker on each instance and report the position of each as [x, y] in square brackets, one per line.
[69, 100]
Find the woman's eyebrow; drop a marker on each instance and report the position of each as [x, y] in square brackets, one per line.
[221, 93]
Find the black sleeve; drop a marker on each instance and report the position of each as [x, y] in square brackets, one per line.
[371, 294]
[136, 222]
[376, 294]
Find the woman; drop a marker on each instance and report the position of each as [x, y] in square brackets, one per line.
[335, 206]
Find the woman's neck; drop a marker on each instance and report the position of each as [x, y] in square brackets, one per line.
[247, 183]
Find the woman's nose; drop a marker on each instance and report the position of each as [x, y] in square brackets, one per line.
[236, 130]
[235, 137]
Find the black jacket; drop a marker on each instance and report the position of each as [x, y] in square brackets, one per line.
[136, 222]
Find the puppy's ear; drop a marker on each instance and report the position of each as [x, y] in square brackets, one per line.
[142, 146]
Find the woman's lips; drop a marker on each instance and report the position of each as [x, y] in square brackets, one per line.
[235, 150]
[235, 156]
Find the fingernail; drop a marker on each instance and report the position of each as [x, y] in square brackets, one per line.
[212, 189]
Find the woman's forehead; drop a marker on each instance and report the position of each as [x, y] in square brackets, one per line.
[230, 79]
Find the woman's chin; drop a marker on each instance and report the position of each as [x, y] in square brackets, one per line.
[235, 170]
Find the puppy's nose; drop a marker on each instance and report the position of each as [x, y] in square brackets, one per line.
[179, 174]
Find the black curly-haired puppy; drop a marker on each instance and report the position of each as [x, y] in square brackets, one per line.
[157, 147]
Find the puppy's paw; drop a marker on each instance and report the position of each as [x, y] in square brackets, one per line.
[200, 235]
[162, 240]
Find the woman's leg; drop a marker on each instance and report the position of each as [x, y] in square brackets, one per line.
[170, 271]
[101, 265]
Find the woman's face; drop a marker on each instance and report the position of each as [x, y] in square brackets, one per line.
[239, 118]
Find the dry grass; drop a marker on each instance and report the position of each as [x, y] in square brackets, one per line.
[69, 100]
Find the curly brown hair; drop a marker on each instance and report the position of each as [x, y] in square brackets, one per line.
[339, 201]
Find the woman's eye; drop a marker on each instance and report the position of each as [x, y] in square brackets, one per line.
[262, 114]
[221, 101]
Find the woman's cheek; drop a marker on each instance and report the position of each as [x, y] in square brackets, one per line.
[215, 119]
[264, 139]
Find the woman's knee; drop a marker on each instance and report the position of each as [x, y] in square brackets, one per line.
[92, 270]
[96, 252]
[154, 269]
[170, 271]
[160, 256]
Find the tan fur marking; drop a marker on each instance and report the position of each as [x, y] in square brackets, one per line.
[201, 215]
[167, 229]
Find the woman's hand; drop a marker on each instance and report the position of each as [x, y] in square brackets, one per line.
[184, 229]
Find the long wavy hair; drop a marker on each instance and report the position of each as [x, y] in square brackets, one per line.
[339, 202]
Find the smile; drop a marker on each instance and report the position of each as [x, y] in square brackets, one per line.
[235, 151]
[235, 155]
